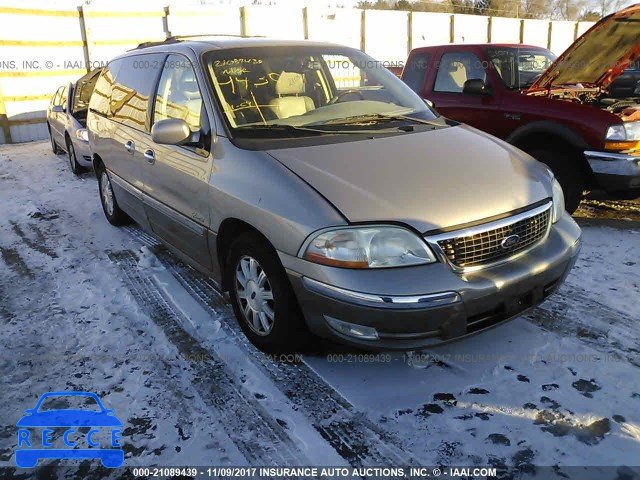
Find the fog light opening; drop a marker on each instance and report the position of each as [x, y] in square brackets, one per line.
[352, 330]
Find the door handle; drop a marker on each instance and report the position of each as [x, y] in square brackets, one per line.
[150, 156]
[130, 146]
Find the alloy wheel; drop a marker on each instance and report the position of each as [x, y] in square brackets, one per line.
[255, 295]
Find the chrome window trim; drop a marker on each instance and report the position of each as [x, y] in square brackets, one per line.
[382, 301]
[433, 240]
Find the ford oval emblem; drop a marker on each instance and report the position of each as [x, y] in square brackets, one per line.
[510, 241]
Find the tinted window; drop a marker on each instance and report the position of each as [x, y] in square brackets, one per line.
[134, 84]
[455, 69]
[101, 94]
[415, 71]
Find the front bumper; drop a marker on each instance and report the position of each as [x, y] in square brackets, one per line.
[83, 153]
[615, 171]
[413, 307]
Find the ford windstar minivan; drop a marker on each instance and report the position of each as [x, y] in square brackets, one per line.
[323, 194]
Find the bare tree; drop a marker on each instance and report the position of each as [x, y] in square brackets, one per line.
[568, 9]
[605, 7]
[536, 9]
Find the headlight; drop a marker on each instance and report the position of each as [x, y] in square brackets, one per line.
[368, 247]
[82, 134]
[558, 202]
[629, 131]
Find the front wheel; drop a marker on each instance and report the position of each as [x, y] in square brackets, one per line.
[262, 297]
[624, 194]
[568, 171]
[112, 211]
[76, 168]
[54, 145]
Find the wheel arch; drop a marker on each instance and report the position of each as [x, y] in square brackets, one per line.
[230, 229]
[554, 136]
[526, 135]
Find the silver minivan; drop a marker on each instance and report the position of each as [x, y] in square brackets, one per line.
[323, 194]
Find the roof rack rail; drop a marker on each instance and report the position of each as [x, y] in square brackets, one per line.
[180, 38]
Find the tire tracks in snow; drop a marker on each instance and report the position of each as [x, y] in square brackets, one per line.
[349, 431]
[261, 440]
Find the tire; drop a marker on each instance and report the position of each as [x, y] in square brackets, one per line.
[110, 207]
[54, 145]
[568, 170]
[263, 300]
[624, 194]
[76, 168]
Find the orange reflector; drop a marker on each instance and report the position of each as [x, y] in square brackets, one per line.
[314, 257]
[621, 146]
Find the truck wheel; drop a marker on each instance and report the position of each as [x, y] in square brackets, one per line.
[568, 171]
[112, 211]
[624, 194]
[262, 297]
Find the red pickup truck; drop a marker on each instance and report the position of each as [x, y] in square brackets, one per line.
[558, 110]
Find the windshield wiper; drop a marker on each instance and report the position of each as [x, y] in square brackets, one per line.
[269, 128]
[262, 129]
[375, 117]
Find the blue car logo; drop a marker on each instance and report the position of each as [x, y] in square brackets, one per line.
[30, 451]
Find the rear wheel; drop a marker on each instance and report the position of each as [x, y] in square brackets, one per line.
[568, 171]
[76, 168]
[110, 206]
[262, 297]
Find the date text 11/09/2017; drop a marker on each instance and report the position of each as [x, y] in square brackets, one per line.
[323, 472]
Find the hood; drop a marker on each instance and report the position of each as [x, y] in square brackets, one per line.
[429, 180]
[600, 55]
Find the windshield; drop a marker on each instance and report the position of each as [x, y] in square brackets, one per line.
[292, 88]
[519, 67]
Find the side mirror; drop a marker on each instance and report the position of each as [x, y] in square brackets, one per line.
[57, 109]
[171, 131]
[636, 91]
[476, 86]
[429, 103]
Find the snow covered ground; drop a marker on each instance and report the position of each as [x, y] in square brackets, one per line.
[87, 306]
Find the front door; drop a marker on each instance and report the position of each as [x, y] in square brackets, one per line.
[176, 177]
[480, 111]
[57, 119]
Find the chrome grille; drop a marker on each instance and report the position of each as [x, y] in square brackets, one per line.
[482, 246]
